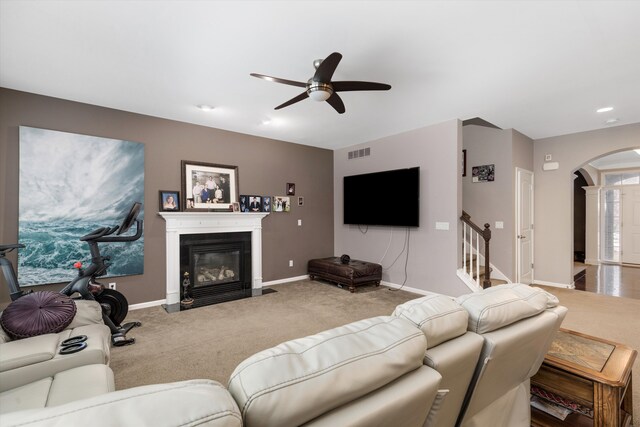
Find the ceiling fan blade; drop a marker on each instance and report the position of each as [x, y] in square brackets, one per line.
[279, 80]
[335, 101]
[298, 98]
[351, 86]
[327, 67]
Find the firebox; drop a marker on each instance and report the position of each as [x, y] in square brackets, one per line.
[219, 266]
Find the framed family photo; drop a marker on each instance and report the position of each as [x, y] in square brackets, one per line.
[281, 204]
[169, 201]
[212, 187]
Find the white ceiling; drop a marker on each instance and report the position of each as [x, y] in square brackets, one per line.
[541, 67]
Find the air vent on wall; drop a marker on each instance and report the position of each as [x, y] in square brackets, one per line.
[362, 152]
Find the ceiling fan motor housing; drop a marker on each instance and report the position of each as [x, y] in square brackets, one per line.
[319, 91]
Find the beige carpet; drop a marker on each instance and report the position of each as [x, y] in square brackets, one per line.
[209, 342]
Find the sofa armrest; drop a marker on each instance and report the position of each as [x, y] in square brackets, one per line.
[194, 402]
[31, 359]
[28, 351]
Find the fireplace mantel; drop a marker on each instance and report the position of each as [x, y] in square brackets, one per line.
[178, 223]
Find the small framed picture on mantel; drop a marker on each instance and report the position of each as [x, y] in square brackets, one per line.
[169, 201]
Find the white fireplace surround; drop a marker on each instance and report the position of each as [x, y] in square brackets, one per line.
[208, 223]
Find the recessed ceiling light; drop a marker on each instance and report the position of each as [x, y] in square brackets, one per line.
[205, 107]
[604, 109]
[266, 121]
[611, 121]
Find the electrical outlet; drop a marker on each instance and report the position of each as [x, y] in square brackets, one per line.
[299, 223]
[112, 285]
[290, 263]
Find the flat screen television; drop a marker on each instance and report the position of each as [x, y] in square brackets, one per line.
[383, 198]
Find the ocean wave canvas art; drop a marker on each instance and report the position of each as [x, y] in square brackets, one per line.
[71, 184]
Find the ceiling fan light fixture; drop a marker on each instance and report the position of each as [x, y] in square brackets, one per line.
[319, 91]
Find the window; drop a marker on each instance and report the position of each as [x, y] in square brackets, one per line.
[621, 178]
[611, 224]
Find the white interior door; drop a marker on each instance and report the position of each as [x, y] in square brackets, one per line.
[630, 227]
[524, 226]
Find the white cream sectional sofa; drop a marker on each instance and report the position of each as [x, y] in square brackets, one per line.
[436, 361]
[33, 374]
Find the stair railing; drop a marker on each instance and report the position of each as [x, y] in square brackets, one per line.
[471, 245]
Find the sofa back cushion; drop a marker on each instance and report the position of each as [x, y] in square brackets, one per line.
[301, 379]
[185, 403]
[439, 317]
[499, 306]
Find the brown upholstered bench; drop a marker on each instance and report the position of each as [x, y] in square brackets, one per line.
[353, 274]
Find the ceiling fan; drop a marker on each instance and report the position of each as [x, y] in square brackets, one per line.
[321, 88]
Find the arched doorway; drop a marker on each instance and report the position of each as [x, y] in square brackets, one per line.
[606, 223]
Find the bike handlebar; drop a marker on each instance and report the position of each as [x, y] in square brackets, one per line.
[8, 248]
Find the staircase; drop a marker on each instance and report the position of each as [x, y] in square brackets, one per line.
[476, 265]
[478, 275]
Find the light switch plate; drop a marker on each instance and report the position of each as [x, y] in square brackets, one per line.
[442, 225]
[499, 224]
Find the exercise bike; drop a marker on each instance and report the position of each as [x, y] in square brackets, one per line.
[114, 305]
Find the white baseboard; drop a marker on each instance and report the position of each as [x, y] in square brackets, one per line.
[405, 288]
[287, 280]
[554, 284]
[147, 304]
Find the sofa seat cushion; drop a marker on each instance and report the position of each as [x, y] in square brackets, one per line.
[30, 396]
[38, 313]
[74, 384]
[439, 317]
[80, 383]
[298, 380]
[186, 403]
[496, 307]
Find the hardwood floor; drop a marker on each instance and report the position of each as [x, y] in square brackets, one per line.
[614, 280]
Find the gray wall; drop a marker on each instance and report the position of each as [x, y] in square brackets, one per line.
[434, 254]
[553, 193]
[265, 166]
[488, 202]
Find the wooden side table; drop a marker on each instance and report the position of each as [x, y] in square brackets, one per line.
[590, 371]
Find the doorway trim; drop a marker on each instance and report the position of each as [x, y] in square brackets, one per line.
[519, 207]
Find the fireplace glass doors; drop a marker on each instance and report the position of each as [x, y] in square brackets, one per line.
[219, 266]
[216, 265]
